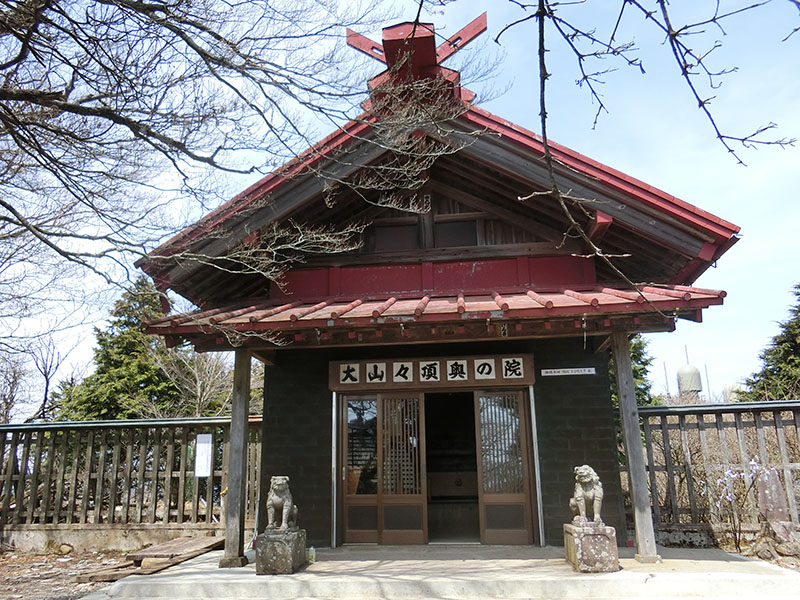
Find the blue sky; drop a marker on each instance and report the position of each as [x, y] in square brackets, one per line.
[655, 132]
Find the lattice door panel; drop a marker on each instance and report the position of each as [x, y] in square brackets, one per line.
[401, 446]
[402, 497]
[503, 468]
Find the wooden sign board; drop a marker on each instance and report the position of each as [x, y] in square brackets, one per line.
[512, 370]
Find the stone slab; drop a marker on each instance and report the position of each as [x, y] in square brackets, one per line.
[461, 572]
[280, 552]
[772, 502]
[591, 548]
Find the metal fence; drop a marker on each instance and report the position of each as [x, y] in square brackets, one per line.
[703, 460]
[94, 474]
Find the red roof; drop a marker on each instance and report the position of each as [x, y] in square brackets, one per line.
[353, 132]
[697, 237]
[349, 313]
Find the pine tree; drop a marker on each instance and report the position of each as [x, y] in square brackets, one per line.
[779, 377]
[126, 380]
[137, 376]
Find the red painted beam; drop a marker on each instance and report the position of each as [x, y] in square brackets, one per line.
[345, 309]
[594, 302]
[683, 295]
[500, 301]
[546, 302]
[383, 307]
[464, 36]
[365, 45]
[421, 306]
[635, 296]
[599, 226]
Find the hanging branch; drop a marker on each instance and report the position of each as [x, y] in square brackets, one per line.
[586, 45]
[542, 15]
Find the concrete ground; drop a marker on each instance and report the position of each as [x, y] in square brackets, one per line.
[450, 572]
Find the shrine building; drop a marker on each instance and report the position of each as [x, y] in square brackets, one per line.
[439, 382]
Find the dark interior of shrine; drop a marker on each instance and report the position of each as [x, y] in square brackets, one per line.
[452, 468]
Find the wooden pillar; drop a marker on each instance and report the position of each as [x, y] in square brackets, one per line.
[263, 468]
[631, 434]
[237, 464]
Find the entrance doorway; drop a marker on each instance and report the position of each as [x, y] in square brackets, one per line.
[452, 468]
[437, 466]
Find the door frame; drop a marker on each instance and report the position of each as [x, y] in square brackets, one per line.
[531, 491]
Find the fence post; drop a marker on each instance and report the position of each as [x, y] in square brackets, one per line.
[237, 468]
[631, 434]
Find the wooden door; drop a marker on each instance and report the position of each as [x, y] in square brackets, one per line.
[503, 468]
[402, 494]
[360, 462]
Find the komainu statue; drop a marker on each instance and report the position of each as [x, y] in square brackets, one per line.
[281, 513]
[588, 490]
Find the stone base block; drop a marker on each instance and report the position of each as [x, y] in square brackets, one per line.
[228, 562]
[280, 552]
[591, 548]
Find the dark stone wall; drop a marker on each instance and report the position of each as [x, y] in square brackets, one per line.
[575, 426]
[573, 414]
[296, 438]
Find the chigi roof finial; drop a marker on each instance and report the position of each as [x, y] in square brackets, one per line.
[409, 52]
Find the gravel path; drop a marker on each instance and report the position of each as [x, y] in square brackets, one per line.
[49, 576]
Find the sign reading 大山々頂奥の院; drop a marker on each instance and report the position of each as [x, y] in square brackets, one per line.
[472, 371]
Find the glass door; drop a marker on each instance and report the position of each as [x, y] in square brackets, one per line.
[503, 468]
[360, 470]
[384, 483]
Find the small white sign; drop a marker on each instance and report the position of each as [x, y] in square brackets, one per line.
[512, 368]
[202, 455]
[429, 371]
[456, 370]
[575, 371]
[376, 373]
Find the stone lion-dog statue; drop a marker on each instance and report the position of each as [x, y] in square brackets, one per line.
[281, 513]
[588, 490]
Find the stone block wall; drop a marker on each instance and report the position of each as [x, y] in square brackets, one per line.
[575, 426]
[296, 437]
[573, 413]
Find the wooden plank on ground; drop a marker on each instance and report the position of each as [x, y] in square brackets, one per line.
[114, 573]
[170, 562]
[164, 555]
[177, 547]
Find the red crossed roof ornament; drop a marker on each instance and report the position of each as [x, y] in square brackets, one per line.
[409, 51]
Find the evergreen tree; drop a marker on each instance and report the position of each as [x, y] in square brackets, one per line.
[640, 361]
[779, 377]
[137, 376]
[127, 379]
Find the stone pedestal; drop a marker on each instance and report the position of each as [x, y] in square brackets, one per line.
[280, 552]
[591, 548]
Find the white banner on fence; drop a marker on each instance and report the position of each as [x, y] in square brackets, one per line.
[202, 455]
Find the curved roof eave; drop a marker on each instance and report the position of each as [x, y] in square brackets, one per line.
[271, 182]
